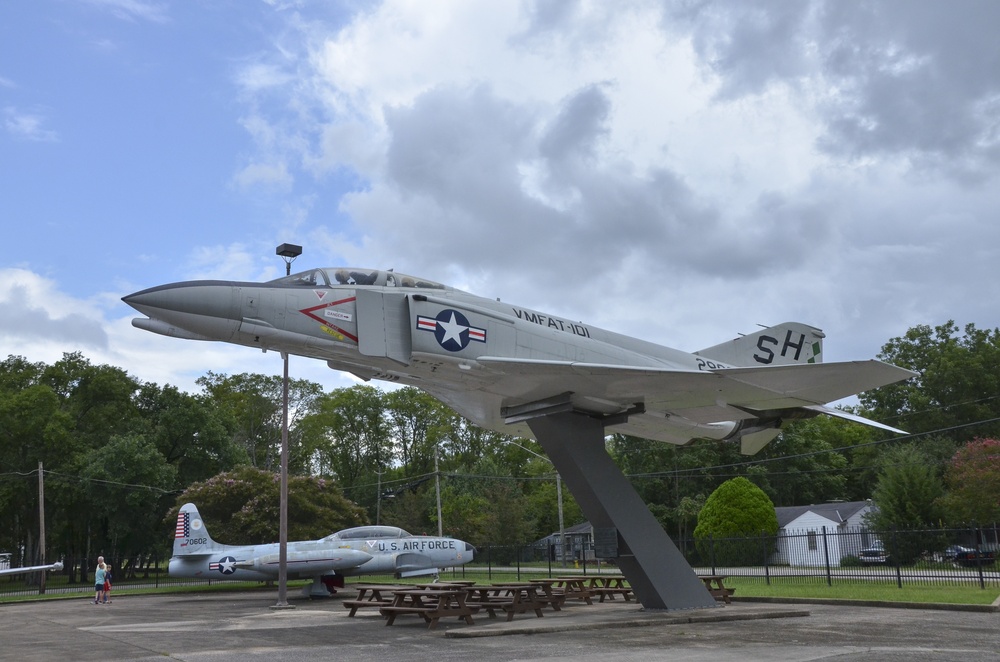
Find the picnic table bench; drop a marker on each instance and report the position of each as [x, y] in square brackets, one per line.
[715, 586]
[573, 588]
[512, 598]
[371, 595]
[431, 604]
[549, 596]
[608, 586]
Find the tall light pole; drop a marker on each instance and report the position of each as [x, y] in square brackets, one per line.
[378, 498]
[559, 501]
[437, 489]
[287, 252]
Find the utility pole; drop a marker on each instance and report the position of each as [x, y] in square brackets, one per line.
[41, 528]
[559, 500]
[437, 489]
[562, 528]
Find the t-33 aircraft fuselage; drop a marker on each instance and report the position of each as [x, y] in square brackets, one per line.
[501, 364]
[362, 550]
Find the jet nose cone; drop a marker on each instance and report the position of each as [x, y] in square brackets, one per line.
[195, 297]
[202, 310]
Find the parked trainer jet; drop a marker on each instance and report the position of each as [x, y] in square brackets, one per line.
[501, 364]
[362, 550]
[33, 568]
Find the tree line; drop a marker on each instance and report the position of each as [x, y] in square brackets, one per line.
[119, 454]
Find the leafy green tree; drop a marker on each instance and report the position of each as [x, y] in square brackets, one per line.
[665, 474]
[415, 423]
[907, 497]
[973, 480]
[242, 507]
[33, 429]
[959, 382]
[98, 399]
[347, 436]
[251, 406]
[805, 468]
[486, 506]
[189, 432]
[737, 509]
[130, 482]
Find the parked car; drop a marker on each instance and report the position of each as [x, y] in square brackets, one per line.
[968, 557]
[874, 554]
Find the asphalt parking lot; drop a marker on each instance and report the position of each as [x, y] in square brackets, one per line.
[242, 626]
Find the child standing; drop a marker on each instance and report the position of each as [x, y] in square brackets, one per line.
[107, 583]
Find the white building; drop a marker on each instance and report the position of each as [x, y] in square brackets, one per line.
[823, 533]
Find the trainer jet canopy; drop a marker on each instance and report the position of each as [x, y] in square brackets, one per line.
[363, 550]
[501, 365]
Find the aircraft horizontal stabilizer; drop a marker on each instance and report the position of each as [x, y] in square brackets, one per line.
[821, 382]
[847, 416]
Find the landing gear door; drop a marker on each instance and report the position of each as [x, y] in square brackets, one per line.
[384, 325]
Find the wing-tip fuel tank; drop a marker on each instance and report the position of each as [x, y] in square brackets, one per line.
[487, 359]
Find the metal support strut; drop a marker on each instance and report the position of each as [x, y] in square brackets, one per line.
[659, 574]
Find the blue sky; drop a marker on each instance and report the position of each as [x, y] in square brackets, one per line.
[679, 172]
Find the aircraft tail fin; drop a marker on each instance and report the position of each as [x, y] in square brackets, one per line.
[191, 535]
[788, 343]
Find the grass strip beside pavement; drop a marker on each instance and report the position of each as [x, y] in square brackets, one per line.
[818, 588]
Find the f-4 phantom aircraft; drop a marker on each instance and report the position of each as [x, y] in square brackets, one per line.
[500, 365]
[363, 550]
[527, 373]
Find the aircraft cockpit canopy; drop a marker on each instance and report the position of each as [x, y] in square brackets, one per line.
[368, 533]
[352, 276]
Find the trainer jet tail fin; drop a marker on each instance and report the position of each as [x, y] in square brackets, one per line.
[190, 534]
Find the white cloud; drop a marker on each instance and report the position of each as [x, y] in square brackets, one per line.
[131, 10]
[27, 126]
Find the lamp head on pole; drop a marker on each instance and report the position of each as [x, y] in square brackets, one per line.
[288, 252]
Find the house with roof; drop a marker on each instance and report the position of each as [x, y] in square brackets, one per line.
[822, 533]
[579, 543]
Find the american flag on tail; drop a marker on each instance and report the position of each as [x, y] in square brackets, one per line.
[183, 528]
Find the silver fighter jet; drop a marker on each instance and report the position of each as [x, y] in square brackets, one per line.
[501, 364]
[363, 550]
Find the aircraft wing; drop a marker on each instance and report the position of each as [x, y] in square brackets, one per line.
[35, 568]
[703, 397]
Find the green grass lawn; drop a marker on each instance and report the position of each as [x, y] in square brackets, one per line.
[886, 592]
[799, 587]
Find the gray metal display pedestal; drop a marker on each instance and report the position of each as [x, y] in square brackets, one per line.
[659, 574]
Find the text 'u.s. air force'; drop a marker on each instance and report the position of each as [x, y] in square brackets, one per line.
[409, 545]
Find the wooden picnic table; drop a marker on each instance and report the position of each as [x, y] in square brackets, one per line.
[511, 597]
[431, 604]
[608, 586]
[715, 586]
[549, 595]
[371, 595]
[573, 588]
[434, 585]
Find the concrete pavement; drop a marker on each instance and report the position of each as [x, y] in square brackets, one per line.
[219, 627]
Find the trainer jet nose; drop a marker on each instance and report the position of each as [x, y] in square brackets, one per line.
[197, 310]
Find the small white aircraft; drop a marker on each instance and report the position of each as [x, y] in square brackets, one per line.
[362, 550]
[34, 568]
